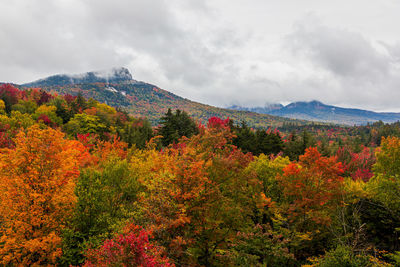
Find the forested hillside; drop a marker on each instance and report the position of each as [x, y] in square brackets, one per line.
[85, 184]
[117, 88]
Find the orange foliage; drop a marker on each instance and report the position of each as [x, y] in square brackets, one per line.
[312, 186]
[37, 181]
[99, 151]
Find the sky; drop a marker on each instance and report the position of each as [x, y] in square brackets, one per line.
[219, 52]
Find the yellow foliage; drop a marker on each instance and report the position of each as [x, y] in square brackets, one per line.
[2, 107]
[46, 109]
[106, 108]
[356, 188]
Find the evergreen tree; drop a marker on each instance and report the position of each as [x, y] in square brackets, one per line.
[174, 126]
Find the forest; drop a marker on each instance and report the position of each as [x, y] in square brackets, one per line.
[86, 184]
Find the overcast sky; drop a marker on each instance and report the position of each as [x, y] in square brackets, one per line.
[219, 52]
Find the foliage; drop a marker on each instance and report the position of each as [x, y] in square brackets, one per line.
[174, 126]
[203, 200]
[312, 186]
[356, 165]
[137, 132]
[105, 201]
[130, 249]
[37, 182]
[344, 256]
[9, 94]
[262, 246]
[258, 142]
[188, 203]
[83, 123]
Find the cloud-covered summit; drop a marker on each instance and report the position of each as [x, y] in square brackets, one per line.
[113, 75]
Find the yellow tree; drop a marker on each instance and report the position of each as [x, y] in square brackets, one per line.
[37, 181]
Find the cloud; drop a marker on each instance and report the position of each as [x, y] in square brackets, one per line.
[213, 51]
[343, 52]
[360, 71]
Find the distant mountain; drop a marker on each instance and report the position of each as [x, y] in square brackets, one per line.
[117, 88]
[317, 111]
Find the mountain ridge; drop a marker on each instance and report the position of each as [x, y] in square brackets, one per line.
[317, 111]
[143, 99]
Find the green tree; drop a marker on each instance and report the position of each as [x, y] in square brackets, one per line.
[106, 202]
[137, 132]
[174, 126]
[84, 123]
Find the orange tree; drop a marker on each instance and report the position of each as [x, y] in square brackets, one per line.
[313, 190]
[312, 187]
[37, 181]
[197, 195]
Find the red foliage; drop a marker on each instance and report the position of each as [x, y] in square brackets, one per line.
[121, 117]
[357, 165]
[46, 120]
[129, 249]
[44, 97]
[5, 138]
[9, 94]
[5, 141]
[88, 140]
[69, 98]
[216, 122]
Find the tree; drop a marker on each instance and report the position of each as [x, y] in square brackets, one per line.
[344, 256]
[312, 190]
[106, 197]
[37, 181]
[296, 145]
[197, 194]
[268, 142]
[10, 95]
[25, 106]
[48, 112]
[245, 138]
[174, 126]
[83, 123]
[312, 187]
[136, 132]
[133, 248]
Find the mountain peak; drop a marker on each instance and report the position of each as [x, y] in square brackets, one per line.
[113, 75]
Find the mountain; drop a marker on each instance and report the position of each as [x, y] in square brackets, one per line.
[117, 88]
[113, 75]
[317, 111]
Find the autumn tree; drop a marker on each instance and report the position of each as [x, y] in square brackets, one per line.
[312, 186]
[9, 94]
[312, 189]
[106, 197]
[197, 194]
[356, 165]
[84, 123]
[132, 248]
[37, 181]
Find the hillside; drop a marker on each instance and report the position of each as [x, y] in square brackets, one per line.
[117, 88]
[317, 111]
